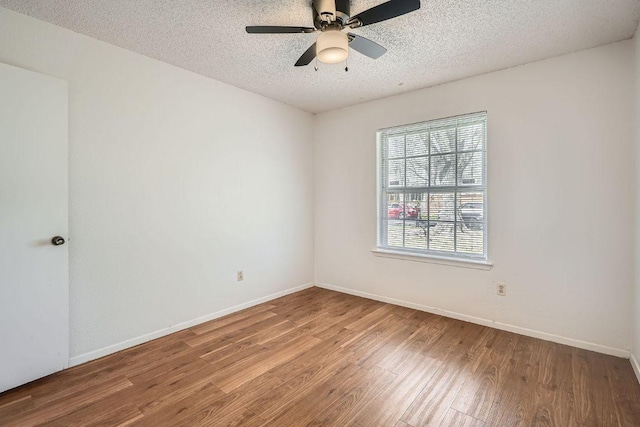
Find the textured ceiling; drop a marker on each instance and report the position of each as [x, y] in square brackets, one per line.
[443, 41]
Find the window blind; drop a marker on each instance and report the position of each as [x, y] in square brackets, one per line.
[432, 187]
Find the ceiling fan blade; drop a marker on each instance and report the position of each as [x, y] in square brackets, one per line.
[366, 46]
[278, 30]
[384, 11]
[307, 57]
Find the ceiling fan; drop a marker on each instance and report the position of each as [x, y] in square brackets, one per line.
[330, 17]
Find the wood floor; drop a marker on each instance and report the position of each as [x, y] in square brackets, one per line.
[327, 359]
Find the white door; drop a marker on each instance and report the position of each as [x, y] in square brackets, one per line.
[34, 273]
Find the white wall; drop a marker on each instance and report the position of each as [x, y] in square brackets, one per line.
[176, 181]
[561, 199]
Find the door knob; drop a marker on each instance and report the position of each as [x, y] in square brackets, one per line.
[57, 241]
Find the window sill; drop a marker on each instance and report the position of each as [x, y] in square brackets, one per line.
[433, 259]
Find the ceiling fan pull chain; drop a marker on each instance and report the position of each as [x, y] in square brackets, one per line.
[316, 67]
[346, 65]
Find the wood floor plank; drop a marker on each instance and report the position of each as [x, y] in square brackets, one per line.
[15, 406]
[345, 410]
[232, 329]
[183, 365]
[234, 355]
[247, 335]
[284, 340]
[318, 357]
[625, 393]
[455, 418]
[382, 336]
[99, 414]
[130, 363]
[299, 378]
[305, 408]
[377, 351]
[298, 307]
[371, 318]
[269, 334]
[458, 368]
[554, 402]
[479, 390]
[232, 318]
[336, 334]
[431, 405]
[531, 387]
[454, 344]
[308, 295]
[461, 348]
[336, 318]
[158, 392]
[606, 411]
[592, 391]
[389, 406]
[240, 418]
[237, 374]
[67, 404]
[206, 397]
[208, 402]
[135, 359]
[513, 405]
[417, 343]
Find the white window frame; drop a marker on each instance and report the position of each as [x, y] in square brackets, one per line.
[455, 258]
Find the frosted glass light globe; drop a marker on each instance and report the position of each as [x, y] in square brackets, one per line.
[332, 47]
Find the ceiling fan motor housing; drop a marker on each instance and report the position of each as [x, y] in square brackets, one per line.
[327, 12]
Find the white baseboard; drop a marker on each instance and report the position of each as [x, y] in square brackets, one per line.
[635, 366]
[486, 322]
[105, 351]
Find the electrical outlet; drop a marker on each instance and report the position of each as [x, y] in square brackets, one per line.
[501, 289]
[240, 276]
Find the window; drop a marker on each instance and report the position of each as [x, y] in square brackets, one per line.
[432, 188]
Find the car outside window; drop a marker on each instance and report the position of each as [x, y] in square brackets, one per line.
[432, 187]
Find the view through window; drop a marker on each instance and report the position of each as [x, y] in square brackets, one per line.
[432, 187]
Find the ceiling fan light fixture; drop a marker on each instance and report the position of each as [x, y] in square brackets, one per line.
[332, 46]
